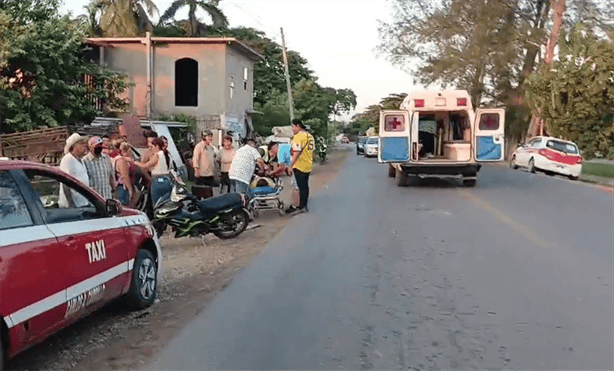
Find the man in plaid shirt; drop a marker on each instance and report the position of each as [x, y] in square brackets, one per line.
[100, 170]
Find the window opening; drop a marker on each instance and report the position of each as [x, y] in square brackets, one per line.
[489, 121]
[245, 77]
[186, 83]
[394, 123]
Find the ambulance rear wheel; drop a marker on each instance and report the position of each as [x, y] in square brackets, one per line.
[402, 178]
[391, 171]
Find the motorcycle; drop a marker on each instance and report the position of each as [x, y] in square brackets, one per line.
[225, 216]
[322, 149]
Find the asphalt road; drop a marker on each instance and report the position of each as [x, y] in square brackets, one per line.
[515, 273]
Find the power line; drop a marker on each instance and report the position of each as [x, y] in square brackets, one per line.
[271, 32]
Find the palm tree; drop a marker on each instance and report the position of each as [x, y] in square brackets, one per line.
[91, 18]
[127, 17]
[194, 26]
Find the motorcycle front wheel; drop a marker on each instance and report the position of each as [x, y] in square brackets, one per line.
[233, 225]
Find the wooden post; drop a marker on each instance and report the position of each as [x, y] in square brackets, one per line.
[148, 54]
[287, 72]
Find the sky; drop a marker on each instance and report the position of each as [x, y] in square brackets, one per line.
[337, 37]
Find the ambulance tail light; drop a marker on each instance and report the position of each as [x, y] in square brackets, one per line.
[461, 101]
[419, 102]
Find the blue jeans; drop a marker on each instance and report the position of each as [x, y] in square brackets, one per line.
[123, 195]
[160, 186]
[237, 186]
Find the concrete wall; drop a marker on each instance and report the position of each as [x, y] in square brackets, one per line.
[211, 59]
[218, 66]
[131, 60]
[241, 99]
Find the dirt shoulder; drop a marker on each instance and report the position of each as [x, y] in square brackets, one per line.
[195, 271]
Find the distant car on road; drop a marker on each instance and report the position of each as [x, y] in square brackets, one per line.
[549, 155]
[372, 146]
[64, 257]
[360, 145]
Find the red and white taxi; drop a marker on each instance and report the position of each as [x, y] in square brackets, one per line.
[549, 155]
[58, 264]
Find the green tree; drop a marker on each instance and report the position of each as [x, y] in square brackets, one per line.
[486, 47]
[193, 25]
[393, 101]
[91, 19]
[312, 102]
[345, 101]
[42, 70]
[127, 17]
[456, 43]
[269, 78]
[575, 94]
[274, 112]
[358, 125]
[371, 113]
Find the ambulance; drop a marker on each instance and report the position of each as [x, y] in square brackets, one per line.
[438, 134]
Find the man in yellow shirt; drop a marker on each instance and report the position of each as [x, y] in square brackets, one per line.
[302, 163]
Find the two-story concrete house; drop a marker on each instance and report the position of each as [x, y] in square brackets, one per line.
[208, 78]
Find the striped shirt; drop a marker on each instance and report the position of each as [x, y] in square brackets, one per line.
[100, 171]
[243, 164]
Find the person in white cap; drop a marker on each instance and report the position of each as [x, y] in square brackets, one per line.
[100, 169]
[72, 164]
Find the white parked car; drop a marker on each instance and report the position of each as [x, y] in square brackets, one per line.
[549, 155]
[371, 146]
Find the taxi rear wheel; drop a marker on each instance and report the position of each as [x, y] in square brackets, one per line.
[532, 166]
[143, 285]
[513, 164]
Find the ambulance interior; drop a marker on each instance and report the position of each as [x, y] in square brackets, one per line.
[443, 135]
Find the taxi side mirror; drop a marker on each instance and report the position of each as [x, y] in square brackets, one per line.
[114, 207]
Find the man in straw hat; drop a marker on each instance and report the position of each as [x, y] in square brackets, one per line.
[72, 164]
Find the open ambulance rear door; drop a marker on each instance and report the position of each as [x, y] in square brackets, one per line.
[489, 134]
[394, 137]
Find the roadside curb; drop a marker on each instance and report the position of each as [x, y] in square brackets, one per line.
[590, 179]
[598, 180]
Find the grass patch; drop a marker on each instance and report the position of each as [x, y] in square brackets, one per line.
[603, 170]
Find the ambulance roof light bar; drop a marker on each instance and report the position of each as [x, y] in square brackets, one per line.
[419, 102]
[461, 101]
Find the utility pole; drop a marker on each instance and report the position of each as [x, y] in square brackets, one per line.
[283, 49]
